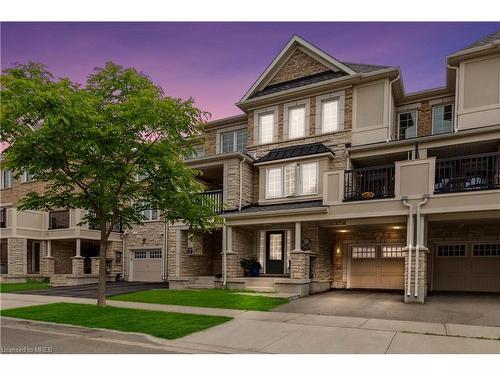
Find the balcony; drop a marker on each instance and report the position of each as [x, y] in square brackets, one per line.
[118, 227]
[369, 183]
[59, 219]
[215, 199]
[467, 173]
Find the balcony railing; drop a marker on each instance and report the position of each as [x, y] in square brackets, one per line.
[468, 173]
[59, 219]
[3, 217]
[118, 227]
[214, 198]
[369, 183]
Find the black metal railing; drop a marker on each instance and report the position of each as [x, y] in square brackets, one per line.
[3, 217]
[58, 219]
[369, 183]
[468, 173]
[118, 227]
[213, 198]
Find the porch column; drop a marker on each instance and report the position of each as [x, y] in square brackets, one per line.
[77, 261]
[47, 265]
[94, 266]
[298, 235]
[78, 247]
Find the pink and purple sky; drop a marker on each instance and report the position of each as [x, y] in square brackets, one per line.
[215, 63]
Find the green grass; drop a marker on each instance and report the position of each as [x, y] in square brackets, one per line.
[16, 287]
[217, 298]
[165, 325]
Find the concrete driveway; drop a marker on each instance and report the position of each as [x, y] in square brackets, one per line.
[90, 290]
[474, 309]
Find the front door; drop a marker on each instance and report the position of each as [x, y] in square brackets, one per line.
[275, 252]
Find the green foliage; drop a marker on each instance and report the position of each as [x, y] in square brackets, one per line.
[217, 298]
[248, 264]
[89, 143]
[157, 323]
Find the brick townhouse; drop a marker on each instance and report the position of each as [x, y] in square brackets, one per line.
[333, 177]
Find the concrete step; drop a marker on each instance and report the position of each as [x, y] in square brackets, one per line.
[266, 289]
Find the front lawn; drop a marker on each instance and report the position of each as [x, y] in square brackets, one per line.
[16, 287]
[218, 298]
[165, 325]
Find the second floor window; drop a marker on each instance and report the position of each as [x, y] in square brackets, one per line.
[407, 125]
[266, 128]
[297, 122]
[442, 119]
[6, 181]
[233, 141]
[27, 177]
[291, 180]
[150, 214]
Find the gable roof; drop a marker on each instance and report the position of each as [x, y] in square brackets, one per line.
[488, 39]
[306, 47]
[294, 152]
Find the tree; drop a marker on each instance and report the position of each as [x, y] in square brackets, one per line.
[112, 147]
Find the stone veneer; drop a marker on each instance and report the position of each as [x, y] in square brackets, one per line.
[298, 65]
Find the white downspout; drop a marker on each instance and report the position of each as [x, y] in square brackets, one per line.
[455, 114]
[389, 128]
[123, 253]
[224, 253]
[164, 270]
[241, 183]
[419, 240]
[409, 242]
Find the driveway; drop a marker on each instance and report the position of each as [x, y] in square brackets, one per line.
[474, 309]
[90, 290]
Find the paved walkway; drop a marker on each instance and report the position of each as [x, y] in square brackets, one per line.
[284, 332]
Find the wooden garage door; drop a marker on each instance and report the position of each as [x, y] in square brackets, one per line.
[377, 267]
[146, 265]
[467, 267]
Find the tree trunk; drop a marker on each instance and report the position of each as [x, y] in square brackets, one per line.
[101, 289]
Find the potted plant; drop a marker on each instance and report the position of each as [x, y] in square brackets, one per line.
[251, 267]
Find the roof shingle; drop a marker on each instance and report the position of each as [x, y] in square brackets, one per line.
[294, 151]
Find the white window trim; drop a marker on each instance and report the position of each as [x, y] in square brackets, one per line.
[235, 128]
[256, 118]
[305, 103]
[24, 178]
[340, 95]
[452, 116]
[298, 180]
[2, 182]
[416, 121]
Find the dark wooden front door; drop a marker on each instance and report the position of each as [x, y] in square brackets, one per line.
[275, 252]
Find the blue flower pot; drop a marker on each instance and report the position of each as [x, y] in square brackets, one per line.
[254, 272]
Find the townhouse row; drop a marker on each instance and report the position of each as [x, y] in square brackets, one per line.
[333, 177]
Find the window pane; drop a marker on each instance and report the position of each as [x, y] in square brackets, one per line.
[241, 140]
[296, 121]
[227, 142]
[392, 252]
[6, 179]
[290, 179]
[274, 183]
[330, 116]
[275, 246]
[266, 125]
[364, 252]
[442, 119]
[309, 177]
[407, 125]
[451, 250]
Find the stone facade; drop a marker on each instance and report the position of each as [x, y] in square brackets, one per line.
[17, 263]
[297, 66]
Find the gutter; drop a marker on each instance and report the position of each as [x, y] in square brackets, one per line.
[409, 242]
[419, 239]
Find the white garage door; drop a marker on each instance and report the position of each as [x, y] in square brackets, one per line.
[377, 267]
[467, 267]
[146, 265]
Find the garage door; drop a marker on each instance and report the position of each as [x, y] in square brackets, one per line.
[146, 265]
[377, 267]
[467, 267]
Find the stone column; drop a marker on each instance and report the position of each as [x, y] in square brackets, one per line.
[94, 266]
[47, 266]
[77, 266]
[300, 262]
[17, 256]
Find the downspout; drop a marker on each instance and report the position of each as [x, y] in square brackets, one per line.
[419, 240]
[224, 253]
[455, 114]
[164, 270]
[389, 128]
[409, 242]
[124, 233]
[241, 183]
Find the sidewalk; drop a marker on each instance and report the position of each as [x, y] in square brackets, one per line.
[281, 332]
